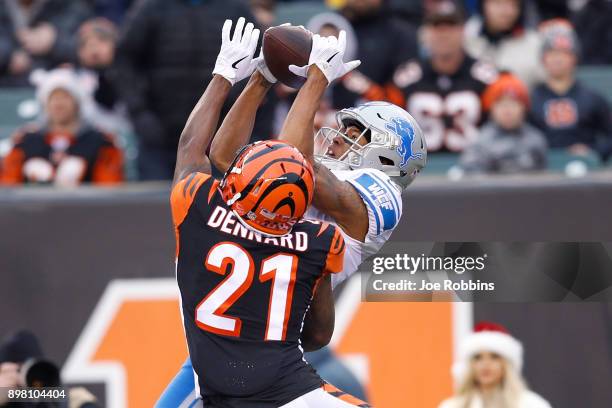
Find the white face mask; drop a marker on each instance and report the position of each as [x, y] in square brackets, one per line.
[324, 140]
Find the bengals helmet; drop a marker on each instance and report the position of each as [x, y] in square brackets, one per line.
[269, 186]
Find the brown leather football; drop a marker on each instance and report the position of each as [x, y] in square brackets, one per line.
[284, 46]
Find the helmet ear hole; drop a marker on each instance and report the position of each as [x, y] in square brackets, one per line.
[385, 161]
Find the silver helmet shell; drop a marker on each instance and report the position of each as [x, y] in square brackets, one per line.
[396, 142]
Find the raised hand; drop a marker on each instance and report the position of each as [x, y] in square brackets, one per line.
[327, 54]
[235, 60]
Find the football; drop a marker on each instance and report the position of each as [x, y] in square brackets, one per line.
[287, 45]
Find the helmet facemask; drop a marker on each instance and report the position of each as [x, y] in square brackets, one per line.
[326, 137]
[357, 155]
[396, 144]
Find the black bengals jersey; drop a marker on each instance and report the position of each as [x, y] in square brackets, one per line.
[244, 297]
[448, 107]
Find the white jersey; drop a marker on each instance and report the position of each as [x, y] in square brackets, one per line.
[383, 200]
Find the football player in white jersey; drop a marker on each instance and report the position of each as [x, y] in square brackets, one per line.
[361, 168]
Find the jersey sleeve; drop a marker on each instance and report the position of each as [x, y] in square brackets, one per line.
[382, 200]
[183, 193]
[334, 262]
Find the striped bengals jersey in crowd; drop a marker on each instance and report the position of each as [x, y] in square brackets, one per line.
[244, 297]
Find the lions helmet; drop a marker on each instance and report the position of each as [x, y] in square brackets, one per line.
[395, 143]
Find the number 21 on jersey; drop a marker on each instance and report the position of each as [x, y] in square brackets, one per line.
[281, 268]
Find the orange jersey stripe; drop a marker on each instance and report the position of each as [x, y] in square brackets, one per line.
[332, 390]
[213, 190]
[183, 194]
[335, 257]
[181, 198]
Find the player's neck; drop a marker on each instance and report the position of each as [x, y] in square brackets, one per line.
[561, 85]
[447, 64]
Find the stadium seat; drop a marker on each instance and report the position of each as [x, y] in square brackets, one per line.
[558, 159]
[440, 163]
[598, 78]
[10, 100]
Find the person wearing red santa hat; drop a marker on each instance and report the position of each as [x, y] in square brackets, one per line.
[487, 372]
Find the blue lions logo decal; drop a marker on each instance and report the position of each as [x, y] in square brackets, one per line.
[405, 131]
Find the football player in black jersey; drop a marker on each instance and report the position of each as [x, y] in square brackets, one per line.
[443, 90]
[253, 276]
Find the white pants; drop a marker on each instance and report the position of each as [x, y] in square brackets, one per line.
[330, 397]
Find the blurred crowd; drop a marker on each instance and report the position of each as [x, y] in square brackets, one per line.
[492, 81]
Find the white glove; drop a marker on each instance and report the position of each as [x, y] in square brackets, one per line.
[260, 65]
[327, 54]
[235, 60]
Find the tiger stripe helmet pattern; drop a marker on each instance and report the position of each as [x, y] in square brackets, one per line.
[269, 186]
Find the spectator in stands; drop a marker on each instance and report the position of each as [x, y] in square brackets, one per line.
[114, 10]
[97, 39]
[571, 115]
[410, 11]
[264, 12]
[63, 149]
[443, 90]
[487, 372]
[552, 9]
[384, 42]
[21, 357]
[507, 144]
[37, 34]
[15, 349]
[499, 35]
[355, 83]
[594, 27]
[325, 24]
[165, 58]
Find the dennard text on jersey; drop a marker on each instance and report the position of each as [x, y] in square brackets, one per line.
[226, 222]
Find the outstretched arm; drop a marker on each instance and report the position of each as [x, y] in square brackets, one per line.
[336, 198]
[298, 126]
[199, 129]
[324, 66]
[234, 62]
[236, 129]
